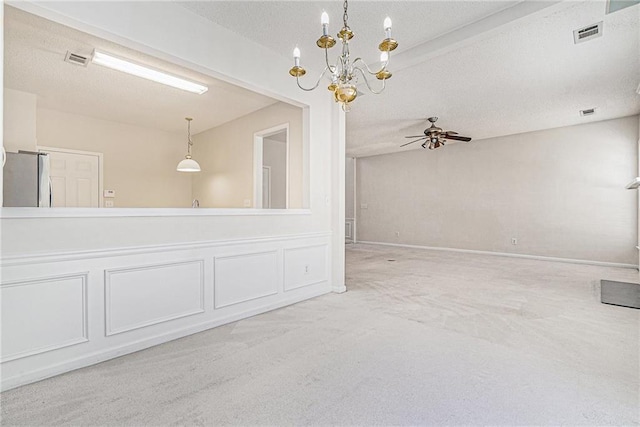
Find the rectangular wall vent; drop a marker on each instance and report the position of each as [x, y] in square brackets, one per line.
[74, 58]
[587, 33]
[588, 112]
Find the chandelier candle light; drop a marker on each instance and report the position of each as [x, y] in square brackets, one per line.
[343, 74]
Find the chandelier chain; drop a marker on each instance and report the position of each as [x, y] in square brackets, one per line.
[345, 16]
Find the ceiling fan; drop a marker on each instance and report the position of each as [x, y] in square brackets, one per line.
[435, 136]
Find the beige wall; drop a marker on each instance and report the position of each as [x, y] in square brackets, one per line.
[274, 155]
[19, 124]
[560, 192]
[348, 191]
[139, 163]
[225, 154]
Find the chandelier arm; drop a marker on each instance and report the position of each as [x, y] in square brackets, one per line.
[331, 68]
[366, 81]
[373, 73]
[317, 82]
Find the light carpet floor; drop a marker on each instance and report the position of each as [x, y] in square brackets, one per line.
[431, 338]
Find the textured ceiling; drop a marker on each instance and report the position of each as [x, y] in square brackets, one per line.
[485, 68]
[281, 25]
[34, 62]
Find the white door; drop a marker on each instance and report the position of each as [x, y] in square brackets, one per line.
[74, 180]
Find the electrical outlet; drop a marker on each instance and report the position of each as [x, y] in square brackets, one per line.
[306, 269]
[514, 241]
[247, 203]
[397, 234]
[108, 203]
[364, 206]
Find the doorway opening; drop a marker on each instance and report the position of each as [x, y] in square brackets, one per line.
[271, 168]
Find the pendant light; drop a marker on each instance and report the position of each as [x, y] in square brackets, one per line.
[188, 164]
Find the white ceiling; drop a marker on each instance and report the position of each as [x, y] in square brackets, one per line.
[485, 68]
[34, 62]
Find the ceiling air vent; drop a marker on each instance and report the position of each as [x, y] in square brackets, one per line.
[588, 112]
[74, 58]
[587, 33]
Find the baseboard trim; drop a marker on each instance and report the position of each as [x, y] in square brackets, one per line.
[122, 350]
[505, 254]
[339, 289]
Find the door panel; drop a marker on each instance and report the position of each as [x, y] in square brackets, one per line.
[74, 179]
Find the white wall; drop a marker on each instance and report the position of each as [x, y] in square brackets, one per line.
[84, 253]
[225, 154]
[19, 111]
[560, 192]
[139, 163]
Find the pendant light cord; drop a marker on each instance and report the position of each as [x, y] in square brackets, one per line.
[189, 141]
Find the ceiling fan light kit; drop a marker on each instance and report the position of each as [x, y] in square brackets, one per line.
[434, 137]
[344, 73]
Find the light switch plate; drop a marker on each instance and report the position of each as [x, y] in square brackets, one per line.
[109, 193]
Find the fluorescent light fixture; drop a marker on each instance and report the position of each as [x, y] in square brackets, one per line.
[118, 64]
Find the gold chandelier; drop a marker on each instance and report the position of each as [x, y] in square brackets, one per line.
[343, 74]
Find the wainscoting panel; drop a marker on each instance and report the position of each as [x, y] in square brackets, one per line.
[44, 314]
[304, 266]
[136, 297]
[245, 277]
[121, 300]
[348, 229]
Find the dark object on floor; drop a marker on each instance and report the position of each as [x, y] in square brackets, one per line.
[620, 293]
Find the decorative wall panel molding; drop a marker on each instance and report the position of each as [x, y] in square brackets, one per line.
[305, 266]
[245, 277]
[348, 229]
[136, 297]
[16, 260]
[43, 314]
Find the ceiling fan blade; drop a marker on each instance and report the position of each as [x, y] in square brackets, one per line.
[417, 136]
[450, 132]
[458, 138]
[412, 142]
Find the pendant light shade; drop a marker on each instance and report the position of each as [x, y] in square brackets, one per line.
[188, 164]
